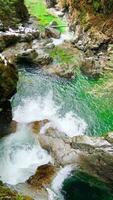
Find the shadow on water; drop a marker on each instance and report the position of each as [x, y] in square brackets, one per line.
[5, 118]
[79, 188]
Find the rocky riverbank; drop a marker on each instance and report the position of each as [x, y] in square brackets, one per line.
[90, 50]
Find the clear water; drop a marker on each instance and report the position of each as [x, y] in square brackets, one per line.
[71, 100]
[68, 105]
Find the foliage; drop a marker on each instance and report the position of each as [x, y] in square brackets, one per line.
[39, 9]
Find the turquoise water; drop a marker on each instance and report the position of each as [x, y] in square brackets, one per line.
[78, 188]
[72, 96]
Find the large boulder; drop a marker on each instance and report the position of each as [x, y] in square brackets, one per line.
[12, 12]
[8, 79]
[91, 155]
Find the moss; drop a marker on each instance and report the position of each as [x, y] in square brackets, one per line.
[39, 9]
[63, 55]
[7, 193]
[12, 12]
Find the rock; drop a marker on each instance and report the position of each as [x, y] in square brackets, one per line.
[62, 70]
[59, 146]
[53, 24]
[14, 13]
[51, 3]
[42, 59]
[28, 56]
[49, 46]
[7, 39]
[90, 155]
[37, 125]
[52, 32]
[43, 176]
[109, 137]
[92, 67]
[5, 118]
[1, 26]
[8, 194]
[8, 79]
[11, 53]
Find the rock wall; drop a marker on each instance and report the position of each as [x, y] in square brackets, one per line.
[12, 12]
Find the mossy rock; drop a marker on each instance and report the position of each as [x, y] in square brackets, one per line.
[12, 12]
[7, 194]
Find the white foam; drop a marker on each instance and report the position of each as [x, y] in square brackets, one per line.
[45, 108]
[20, 155]
[57, 183]
[67, 36]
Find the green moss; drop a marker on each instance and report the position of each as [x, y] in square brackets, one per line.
[38, 9]
[64, 55]
[7, 193]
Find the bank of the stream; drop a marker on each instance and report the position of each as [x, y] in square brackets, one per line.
[73, 106]
[43, 15]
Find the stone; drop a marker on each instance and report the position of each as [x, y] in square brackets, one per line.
[13, 12]
[109, 137]
[90, 155]
[8, 79]
[51, 3]
[37, 125]
[1, 26]
[52, 32]
[43, 176]
[62, 70]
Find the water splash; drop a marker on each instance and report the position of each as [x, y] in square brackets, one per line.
[20, 155]
[45, 108]
[56, 186]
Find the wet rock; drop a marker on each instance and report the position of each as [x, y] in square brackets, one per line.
[5, 118]
[91, 155]
[8, 79]
[1, 26]
[52, 32]
[43, 176]
[109, 137]
[62, 70]
[37, 125]
[59, 145]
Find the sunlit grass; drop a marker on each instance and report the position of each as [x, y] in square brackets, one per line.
[38, 9]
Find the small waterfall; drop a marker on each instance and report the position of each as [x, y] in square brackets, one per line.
[20, 155]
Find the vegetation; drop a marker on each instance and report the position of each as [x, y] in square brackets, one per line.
[39, 10]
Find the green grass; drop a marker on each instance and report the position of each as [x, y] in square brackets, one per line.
[38, 9]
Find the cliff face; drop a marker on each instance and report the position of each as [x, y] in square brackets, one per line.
[96, 13]
[12, 12]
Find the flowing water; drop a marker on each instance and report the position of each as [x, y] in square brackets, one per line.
[66, 104]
